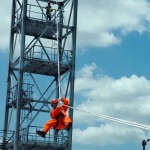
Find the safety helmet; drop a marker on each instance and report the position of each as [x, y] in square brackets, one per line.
[54, 101]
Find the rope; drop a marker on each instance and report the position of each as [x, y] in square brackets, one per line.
[58, 61]
[114, 119]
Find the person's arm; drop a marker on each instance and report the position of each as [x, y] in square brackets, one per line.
[65, 103]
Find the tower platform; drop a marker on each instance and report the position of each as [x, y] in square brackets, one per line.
[44, 29]
[30, 140]
[44, 67]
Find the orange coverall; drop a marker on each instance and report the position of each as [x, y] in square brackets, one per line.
[59, 117]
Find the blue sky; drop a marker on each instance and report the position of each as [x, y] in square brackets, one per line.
[112, 72]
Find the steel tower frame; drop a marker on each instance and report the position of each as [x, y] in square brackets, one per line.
[33, 73]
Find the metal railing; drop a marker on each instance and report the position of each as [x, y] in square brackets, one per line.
[9, 138]
[27, 92]
[48, 54]
[29, 135]
[38, 13]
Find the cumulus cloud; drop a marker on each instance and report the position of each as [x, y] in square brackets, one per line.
[124, 98]
[107, 134]
[99, 21]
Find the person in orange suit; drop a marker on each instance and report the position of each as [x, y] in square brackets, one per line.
[59, 120]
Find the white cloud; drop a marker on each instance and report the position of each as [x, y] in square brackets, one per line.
[107, 134]
[124, 98]
[87, 70]
[98, 21]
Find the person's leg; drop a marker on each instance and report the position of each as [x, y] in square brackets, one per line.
[68, 123]
[48, 17]
[49, 124]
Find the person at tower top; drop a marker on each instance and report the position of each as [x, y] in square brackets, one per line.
[48, 12]
[60, 120]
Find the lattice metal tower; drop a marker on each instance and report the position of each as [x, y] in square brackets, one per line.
[35, 76]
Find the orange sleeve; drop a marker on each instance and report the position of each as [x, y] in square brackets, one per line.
[55, 112]
[65, 102]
